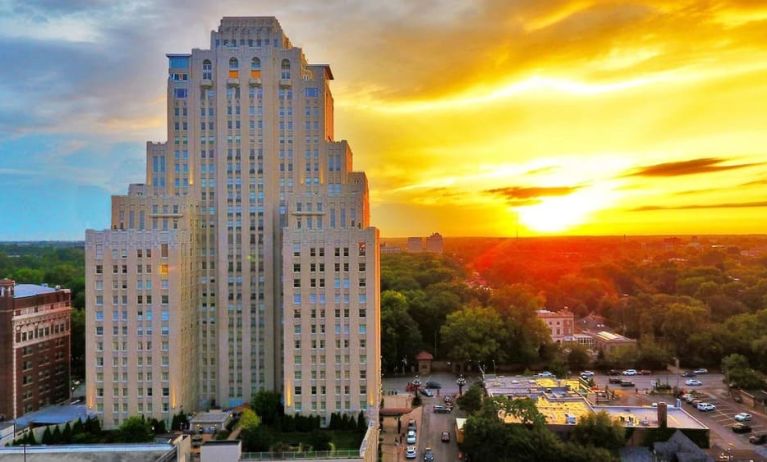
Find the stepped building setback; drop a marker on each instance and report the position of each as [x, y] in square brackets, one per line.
[246, 261]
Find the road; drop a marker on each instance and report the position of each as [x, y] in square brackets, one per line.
[432, 426]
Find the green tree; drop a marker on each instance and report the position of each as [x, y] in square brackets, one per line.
[249, 419]
[319, 440]
[653, 356]
[578, 358]
[474, 334]
[268, 406]
[135, 430]
[400, 337]
[256, 439]
[471, 400]
[598, 429]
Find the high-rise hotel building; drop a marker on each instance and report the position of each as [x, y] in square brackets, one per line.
[247, 261]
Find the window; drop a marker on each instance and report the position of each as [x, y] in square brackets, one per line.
[233, 64]
[180, 93]
[164, 250]
[312, 92]
[285, 74]
[207, 70]
[255, 68]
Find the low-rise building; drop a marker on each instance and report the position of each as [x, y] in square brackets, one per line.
[210, 422]
[34, 347]
[561, 323]
[435, 243]
[609, 341]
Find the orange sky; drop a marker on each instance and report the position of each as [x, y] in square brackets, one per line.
[481, 117]
[562, 117]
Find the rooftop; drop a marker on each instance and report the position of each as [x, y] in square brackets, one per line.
[53, 415]
[646, 416]
[612, 337]
[29, 290]
[211, 417]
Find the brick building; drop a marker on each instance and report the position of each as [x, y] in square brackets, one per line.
[34, 347]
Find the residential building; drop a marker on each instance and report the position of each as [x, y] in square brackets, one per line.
[560, 323]
[34, 347]
[435, 244]
[256, 230]
[415, 244]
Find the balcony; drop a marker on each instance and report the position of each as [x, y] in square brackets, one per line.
[285, 83]
[255, 81]
[233, 82]
[206, 83]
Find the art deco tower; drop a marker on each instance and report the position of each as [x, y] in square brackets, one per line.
[247, 260]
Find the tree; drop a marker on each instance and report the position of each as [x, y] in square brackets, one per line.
[653, 356]
[135, 430]
[738, 373]
[268, 406]
[400, 337]
[471, 401]
[578, 358]
[474, 333]
[362, 424]
[66, 434]
[319, 440]
[256, 439]
[249, 419]
[47, 436]
[598, 430]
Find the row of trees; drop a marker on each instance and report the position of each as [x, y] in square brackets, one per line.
[133, 430]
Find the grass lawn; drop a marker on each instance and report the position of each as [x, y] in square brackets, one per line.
[339, 439]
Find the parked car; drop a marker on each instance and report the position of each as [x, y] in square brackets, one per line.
[645, 372]
[617, 380]
[758, 439]
[741, 428]
[693, 382]
[702, 370]
[447, 399]
[546, 374]
[433, 385]
[706, 407]
[428, 456]
[743, 417]
[614, 372]
[587, 374]
[410, 437]
[627, 383]
[630, 372]
[410, 452]
[445, 437]
[688, 374]
[411, 424]
[427, 392]
[654, 405]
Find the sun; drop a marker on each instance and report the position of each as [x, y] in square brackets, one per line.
[559, 214]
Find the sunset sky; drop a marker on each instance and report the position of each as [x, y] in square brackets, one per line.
[469, 117]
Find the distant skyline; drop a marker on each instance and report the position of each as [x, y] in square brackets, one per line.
[481, 118]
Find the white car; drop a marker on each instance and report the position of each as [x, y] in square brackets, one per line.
[693, 382]
[743, 417]
[410, 437]
[588, 374]
[545, 374]
[410, 452]
[630, 372]
[702, 370]
[706, 407]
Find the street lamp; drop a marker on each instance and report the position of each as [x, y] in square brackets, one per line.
[460, 382]
[416, 384]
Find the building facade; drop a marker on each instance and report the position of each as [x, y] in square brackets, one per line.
[560, 323]
[251, 170]
[34, 347]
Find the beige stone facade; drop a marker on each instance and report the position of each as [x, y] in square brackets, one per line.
[250, 137]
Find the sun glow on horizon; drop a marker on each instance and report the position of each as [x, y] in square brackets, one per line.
[559, 214]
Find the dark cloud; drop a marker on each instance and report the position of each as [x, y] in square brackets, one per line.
[687, 167]
[529, 195]
[727, 205]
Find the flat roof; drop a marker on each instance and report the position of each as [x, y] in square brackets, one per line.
[529, 386]
[53, 415]
[81, 448]
[213, 416]
[646, 416]
[29, 290]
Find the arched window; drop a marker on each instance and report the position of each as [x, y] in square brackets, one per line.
[233, 66]
[285, 75]
[207, 70]
[255, 65]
